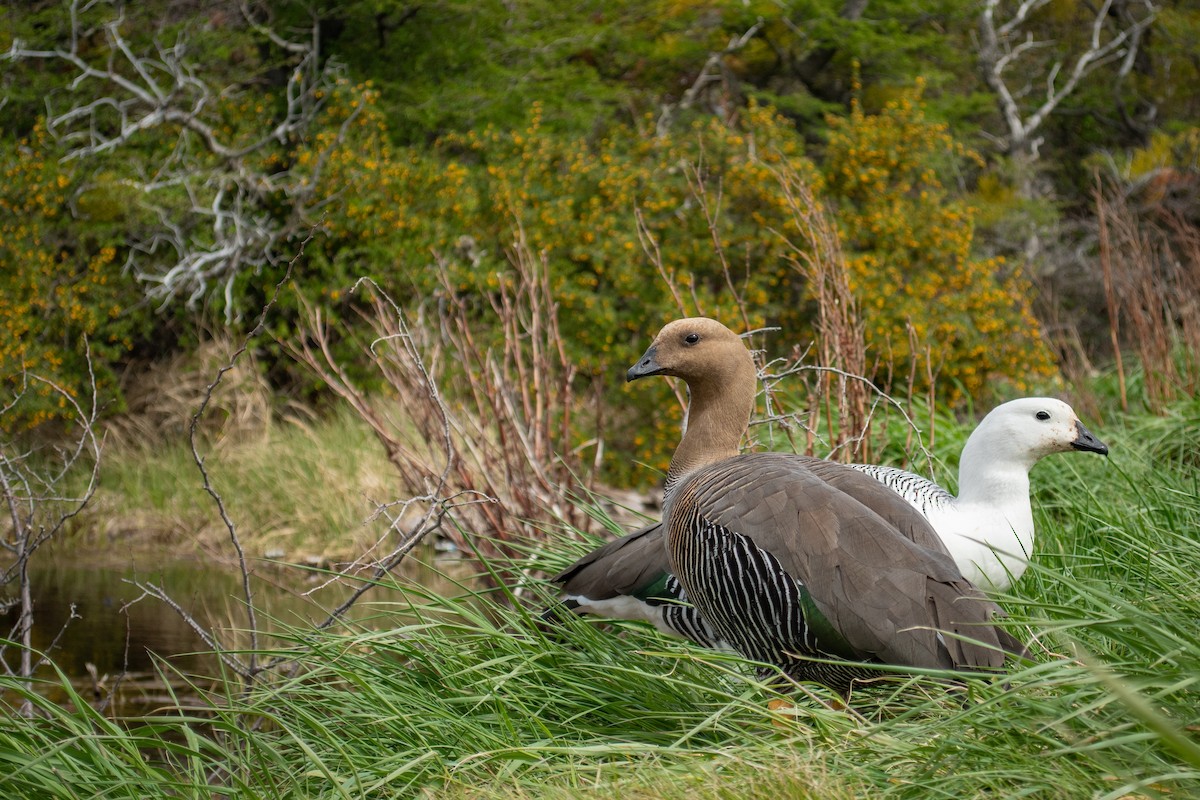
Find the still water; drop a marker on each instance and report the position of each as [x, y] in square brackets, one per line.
[89, 619]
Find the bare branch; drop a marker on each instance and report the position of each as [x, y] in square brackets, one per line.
[1003, 44]
[487, 472]
[235, 540]
[38, 509]
[230, 660]
[214, 196]
[714, 71]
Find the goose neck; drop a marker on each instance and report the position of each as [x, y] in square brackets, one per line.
[991, 477]
[718, 416]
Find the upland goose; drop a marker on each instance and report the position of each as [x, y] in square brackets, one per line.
[629, 578]
[788, 558]
[988, 527]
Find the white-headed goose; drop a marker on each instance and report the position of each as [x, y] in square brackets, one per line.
[988, 528]
[786, 557]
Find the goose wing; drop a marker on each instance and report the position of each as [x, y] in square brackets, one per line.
[890, 598]
[635, 562]
[882, 498]
[630, 565]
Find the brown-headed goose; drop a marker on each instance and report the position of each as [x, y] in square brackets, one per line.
[787, 558]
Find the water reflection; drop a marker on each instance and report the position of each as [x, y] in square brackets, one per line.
[88, 616]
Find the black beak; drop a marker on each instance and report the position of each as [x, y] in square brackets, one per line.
[1086, 440]
[645, 366]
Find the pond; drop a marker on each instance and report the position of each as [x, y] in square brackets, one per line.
[89, 619]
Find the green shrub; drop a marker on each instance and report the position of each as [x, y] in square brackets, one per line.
[910, 243]
[61, 282]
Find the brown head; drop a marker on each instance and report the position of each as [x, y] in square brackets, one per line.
[699, 350]
[722, 380]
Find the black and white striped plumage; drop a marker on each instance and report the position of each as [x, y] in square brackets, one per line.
[921, 493]
[757, 609]
[786, 567]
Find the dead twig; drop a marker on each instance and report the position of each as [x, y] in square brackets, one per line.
[250, 669]
[39, 508]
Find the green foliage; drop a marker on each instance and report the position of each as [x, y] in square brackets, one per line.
[476, 124]
[1166, 159]
[573, 203]
[1174, 69]
[577, 202]
[716, 228]
[925, 294]
[489, 61]
[62, 283]
[471, 696]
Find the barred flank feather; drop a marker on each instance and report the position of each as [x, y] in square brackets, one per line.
[786, 566]
[922, 493]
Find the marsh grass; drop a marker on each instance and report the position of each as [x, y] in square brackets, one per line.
[469, 695]
[301, 487]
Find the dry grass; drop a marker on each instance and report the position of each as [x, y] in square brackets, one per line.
[301, 488]
[1150, 263]
[477, 417]
[162, 396]
[837, 393]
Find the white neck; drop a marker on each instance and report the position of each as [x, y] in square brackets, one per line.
[990, 476]
[991, 533]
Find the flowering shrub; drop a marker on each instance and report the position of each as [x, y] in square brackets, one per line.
[577, 203]
[634, 228]
[715, 223]
[60, 282]
[910, 247]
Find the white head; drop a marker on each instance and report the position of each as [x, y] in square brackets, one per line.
[1033, 427]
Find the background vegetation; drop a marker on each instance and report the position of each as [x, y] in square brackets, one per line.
[443, 230]
[162, 164]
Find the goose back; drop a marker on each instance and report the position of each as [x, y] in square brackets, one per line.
[784, 566]
[921, 493]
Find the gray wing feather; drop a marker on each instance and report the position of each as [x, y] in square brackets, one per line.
[887, 594]
[621, 567]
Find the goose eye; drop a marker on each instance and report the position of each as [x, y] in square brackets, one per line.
[1043, 415]
[691, 338]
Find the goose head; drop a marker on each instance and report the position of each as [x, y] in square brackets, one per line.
[700, 350]
[1033, 427]
[722, 382]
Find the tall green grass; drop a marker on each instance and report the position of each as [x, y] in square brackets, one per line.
[471, 696]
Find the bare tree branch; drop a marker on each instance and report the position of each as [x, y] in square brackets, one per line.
[230, 660]
[1004, 43]
[713, 72]
[216, 195]
[31, 488]
[247, 592]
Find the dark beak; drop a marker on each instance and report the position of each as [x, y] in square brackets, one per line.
[645, 366]
[1086, 440]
